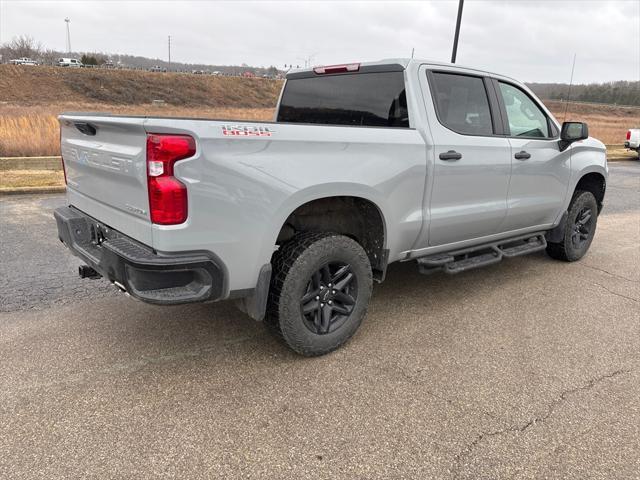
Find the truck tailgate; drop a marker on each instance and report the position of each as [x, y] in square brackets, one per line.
[105, 164]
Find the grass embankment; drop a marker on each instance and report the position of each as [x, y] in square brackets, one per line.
[32, 98]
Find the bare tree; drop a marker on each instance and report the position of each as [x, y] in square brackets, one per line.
[22, 46]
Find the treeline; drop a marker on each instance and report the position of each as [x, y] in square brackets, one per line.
[146, 63]
[620, 92]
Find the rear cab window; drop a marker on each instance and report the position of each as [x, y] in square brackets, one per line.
[375, 99]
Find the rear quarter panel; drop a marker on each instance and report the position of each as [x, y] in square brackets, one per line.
[242, 189]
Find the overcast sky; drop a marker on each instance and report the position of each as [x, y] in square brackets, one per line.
[533, 40]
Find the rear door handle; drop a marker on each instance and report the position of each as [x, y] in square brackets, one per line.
[522, 155]
[450, 155]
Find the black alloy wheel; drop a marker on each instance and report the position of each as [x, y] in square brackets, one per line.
[582, 228]
[329, 298]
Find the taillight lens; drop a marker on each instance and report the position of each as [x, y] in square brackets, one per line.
[628, 134]
[167, 195]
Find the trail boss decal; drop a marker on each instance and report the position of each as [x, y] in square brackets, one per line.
[245, 131]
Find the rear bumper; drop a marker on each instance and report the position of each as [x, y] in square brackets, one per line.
[150, 276]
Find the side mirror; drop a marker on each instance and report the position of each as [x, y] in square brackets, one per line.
[572, 132]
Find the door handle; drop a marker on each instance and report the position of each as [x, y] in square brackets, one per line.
[522, 155]
[450, 155]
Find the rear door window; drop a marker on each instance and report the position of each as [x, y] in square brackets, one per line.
[360, 99]
[462, 103]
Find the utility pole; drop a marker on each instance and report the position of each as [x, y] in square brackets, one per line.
[169, 52]
[67, 21]
[308, 60]
[455, 38]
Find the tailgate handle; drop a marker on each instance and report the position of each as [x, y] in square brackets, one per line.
[86, 128]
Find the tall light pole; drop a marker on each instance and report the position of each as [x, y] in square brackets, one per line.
[455, 38]
[169, 52]
[67, 21]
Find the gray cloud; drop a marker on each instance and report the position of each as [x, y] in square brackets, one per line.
[530, 40]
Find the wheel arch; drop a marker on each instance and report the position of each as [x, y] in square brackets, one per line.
[352, 214]
[595, 182]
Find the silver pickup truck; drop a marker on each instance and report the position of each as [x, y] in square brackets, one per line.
[365, 164]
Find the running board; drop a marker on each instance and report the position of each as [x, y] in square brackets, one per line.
[481, 255]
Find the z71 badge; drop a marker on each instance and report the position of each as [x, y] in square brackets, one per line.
[245, 131]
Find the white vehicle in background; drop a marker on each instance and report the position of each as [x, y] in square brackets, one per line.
[633, 140]
[69, 62]
[23, 61]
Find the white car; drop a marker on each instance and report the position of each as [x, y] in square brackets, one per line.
[69, 62]
[23, 61]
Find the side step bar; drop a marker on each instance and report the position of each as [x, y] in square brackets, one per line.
[481, 255]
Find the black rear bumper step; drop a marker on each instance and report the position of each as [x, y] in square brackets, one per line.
[481, 255]
[144, 274]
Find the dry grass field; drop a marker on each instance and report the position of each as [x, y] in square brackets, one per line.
[607, 123]
[30, 178]
[27, 131]
[31, 99]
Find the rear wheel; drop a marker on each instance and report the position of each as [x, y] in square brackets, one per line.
[580, 229]
[320, 290]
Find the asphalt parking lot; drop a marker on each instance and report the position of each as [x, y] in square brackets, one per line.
[526, 369]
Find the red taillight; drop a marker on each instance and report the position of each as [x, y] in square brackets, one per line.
[349, 67]
[628, 134]
[167, 194]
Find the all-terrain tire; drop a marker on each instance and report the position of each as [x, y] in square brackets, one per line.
[568, 249]
[296, 265]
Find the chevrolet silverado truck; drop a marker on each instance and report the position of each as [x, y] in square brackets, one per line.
[365, 164]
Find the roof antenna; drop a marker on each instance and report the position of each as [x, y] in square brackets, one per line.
[412, 52]
[566, 107]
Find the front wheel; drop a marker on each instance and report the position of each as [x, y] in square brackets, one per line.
[320, 290]
[580, 229]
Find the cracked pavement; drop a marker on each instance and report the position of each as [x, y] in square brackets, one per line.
[526, 369]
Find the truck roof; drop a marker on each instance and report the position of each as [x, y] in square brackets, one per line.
[391, 64]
